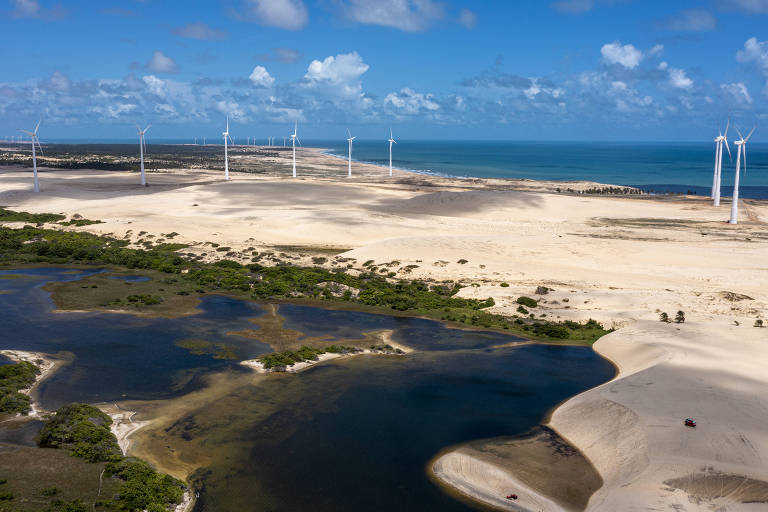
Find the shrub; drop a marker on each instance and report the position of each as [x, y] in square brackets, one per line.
[521, 309]
[504, 285]
[83, 429]
[663, 317]
[527, 301]
[462, 261]
[758, 323]
[680, 317]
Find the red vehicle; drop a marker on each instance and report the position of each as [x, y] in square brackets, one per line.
[690, 423]
[512, 497]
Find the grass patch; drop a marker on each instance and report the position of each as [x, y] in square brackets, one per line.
[79, 222]
[35, 218]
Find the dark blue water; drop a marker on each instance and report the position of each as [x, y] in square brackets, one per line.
[352, 434]
[117, 356]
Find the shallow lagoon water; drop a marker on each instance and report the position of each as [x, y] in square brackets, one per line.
[353, 434]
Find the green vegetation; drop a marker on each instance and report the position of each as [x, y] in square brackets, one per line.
[14, 377]
[289, 357]
[527, 301]
[84, 431]
[664, 317]
[31, 245]
[36, 218]
[79, 222]
[680, 317]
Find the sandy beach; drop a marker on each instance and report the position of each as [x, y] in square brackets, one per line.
[619, 260]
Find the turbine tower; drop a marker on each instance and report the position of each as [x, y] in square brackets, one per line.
[741, 148]
[349, 162]
[391, 141]
[294, 139]
[717, 178]
[142, 147]
[226, 156]
[33, 136]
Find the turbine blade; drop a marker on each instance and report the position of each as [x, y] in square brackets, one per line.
[38, 125]
[730, 157]
[147, 128]
[744, 149]
[26, 131]
[727, 125]
[750, 134]
[349, 133]
[39, 146]
[739, 132]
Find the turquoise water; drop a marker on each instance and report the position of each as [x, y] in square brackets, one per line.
[659, 167]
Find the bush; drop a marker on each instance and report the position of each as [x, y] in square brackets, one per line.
[758, 323]
[663, 317]
[527, 301]
[504, 285]
[144, 487]
[14, 377]
[83, 429]
[680, 317]
[521, 309]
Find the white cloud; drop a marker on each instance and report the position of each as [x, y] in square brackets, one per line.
[261, 77]
[161, 63]
[286, 14]
[410, 102]
[199, 31]
[406, 15]
[468, 18]
[624, 55]
[678, 78]
[691, 20]
[754, 52]
[343, 69]
[737, 91]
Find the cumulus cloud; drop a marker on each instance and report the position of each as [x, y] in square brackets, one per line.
[756, 53]
[260, 77]
[161, 63]
[343, 70]
[406, 15]
[199, 31]
[468, 18]
[624, 55]
[285, 14]
[691, 20]
[678, 78]
[410, 102]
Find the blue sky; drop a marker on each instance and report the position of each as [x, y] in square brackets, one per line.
[545, 70]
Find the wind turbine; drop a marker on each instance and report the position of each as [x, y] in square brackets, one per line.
[226, 156]
[717, 179]
[33, 136]
[142, 147]
[741, 148]
[391, 141]
[294, 139]
[349, 140]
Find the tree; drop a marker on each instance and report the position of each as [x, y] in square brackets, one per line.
[663, 317]
[680, 317]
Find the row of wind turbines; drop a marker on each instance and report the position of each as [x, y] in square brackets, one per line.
[227, 140]
[741, 149]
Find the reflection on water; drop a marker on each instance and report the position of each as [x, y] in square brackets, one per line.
[352, 434]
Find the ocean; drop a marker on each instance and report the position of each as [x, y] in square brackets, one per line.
[660, 167]
[655, 167]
